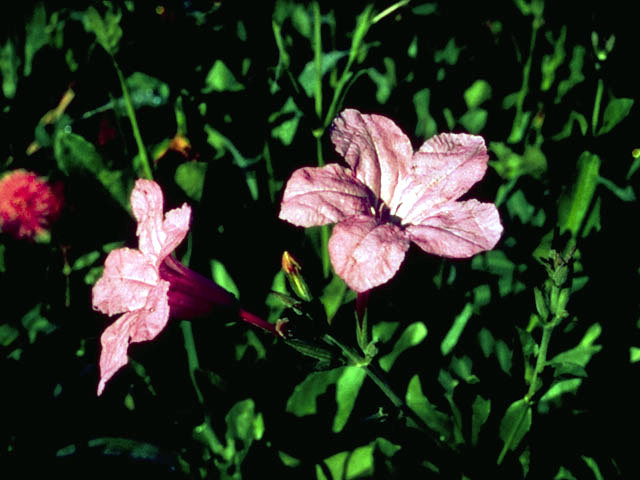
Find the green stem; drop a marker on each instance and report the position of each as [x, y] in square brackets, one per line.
[515, 137]
[142, 151]
[596, 106]
[540, 361]
[324, 229]
[372, 372]
[192, 356]
[317, 55]
[389, 10]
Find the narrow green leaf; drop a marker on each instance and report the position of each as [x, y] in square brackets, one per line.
[9, 64]
[303, 399]
[617, 110]
[481, 409]
[574, 205]
[107, 30]
[221, 276]
[412, 336]
[453, 335]
[37, 36]
[418, 402]
[347, 388]
[426, 126]
[593, 465]
[514, 425]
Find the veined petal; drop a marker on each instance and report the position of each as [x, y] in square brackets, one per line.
[128, 278]
[365, 253]
[157, 238]
[321, 195]
[375, 148]
[445, 167]
[458, 229]
[136, 326]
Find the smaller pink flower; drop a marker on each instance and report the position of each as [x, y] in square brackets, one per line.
[391, 196]
[148, 285]
[28, 204]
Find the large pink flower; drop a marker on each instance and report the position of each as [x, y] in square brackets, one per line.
[391, 196]
[148, 284]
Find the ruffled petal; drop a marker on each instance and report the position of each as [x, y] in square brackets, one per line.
[375, 148]
[445, 167]
[458, 229]
[128, 278]
[136, 326]
[318, 196]
[157, 238]
[366, 254]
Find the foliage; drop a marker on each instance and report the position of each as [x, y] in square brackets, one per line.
[518, 363]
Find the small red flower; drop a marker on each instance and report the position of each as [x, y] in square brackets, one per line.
[28, 204]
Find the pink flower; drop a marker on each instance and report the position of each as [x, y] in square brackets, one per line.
[28, 204]
[147, 284]
[391, 196]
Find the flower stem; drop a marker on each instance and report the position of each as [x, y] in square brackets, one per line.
[256, 321]
[596, 106]
[192, 356]
[142, 151]
[540, 361]
[317, 55]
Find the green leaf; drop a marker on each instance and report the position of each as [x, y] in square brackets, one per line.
[477, 94]
[221, 79]
[449, 54]
[333, 296]
[616, 111]
[418, 402]
[511, 165]
[9, 64]
[383, 331]
[349, 465]
[593, 466]
[290, 116]
[37, 36]
[348, 380]
[575, 75]
[385, 82]
[515, 424]
[8, 334]
[347, 388]
[462, 368]
[35, 323]
[564, 474]
[147, 91]
[573, 206]
[474, 120]
[426, 126]
[221, 276]
[567, 130]
[550, 63]
[582, 353]
[86, 260]
[76, 155]
[107, 29]
[412, 336]
[625, 194]
[453, 335]
[308, 76]
[481, 409]
[190, 177]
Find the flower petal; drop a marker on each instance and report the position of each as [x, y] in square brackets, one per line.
[129, 277]
[375, 148]
[444, 168]
[458, 229]
[318, 196]
[365, 253]
[136, 326]
[157, 237]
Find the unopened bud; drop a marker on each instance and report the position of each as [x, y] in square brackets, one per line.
[293, 271]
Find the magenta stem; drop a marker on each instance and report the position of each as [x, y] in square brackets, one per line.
[257, 321]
